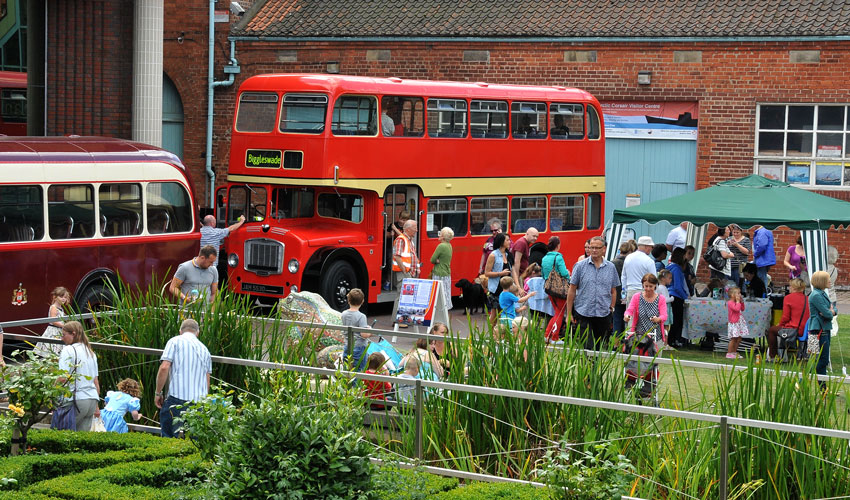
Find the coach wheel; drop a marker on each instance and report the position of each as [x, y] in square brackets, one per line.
[96, 297]
[337, 281]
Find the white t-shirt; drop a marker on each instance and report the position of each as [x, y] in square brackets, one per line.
[677, 236]
[720, 245]
[86, 369]
[635, 266]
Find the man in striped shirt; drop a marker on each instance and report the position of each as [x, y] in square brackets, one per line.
[211, 235]
[188, 363]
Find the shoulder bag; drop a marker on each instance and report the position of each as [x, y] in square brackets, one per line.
[556, 285]
[65, 415]
[794, 333]
[813, 347]
[714, 258]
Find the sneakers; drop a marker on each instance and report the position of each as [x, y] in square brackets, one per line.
[733, 355]
[386, 285]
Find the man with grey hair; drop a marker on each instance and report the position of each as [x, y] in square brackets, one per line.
[186, 361]
[593, 294]
[211, 235]
[495, 226]
[405, 260]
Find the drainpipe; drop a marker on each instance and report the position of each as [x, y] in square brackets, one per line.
[231, 69]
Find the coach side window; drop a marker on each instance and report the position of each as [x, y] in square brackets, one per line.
[70, 211]
[528, 120]
[446, 118]
[488, 119]
[402, 116]
[256, 112]
[168, 208]
[21, 213]
[355, 115]
[446, 212]
[120, 209]
[566, 121]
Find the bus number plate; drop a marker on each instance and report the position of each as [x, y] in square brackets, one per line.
[257, 288]
[262, 158]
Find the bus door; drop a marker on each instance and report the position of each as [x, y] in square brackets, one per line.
[398, 198]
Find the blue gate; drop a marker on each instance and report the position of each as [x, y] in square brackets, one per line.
[648, 170]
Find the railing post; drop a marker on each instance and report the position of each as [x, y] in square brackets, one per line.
[418, 419]
[724, 458]
[349, 346]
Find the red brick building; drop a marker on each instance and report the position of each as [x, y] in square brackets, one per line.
[768, 77]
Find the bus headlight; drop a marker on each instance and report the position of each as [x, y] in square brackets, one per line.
[293, 266]
[233, 260]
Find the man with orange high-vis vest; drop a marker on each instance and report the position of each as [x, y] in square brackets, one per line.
[405, 260]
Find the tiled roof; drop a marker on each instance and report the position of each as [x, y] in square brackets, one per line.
[541, 18]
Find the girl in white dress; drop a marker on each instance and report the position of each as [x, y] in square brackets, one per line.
[60, 297]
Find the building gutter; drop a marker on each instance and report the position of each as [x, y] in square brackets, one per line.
[231, 69]
[591, 39]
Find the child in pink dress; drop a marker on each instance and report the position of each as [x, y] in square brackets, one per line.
[737, 323]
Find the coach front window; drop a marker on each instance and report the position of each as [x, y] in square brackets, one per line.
[168, 208]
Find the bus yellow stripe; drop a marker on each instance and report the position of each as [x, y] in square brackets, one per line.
[456, 186]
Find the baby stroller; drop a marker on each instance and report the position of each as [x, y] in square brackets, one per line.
[642, 374]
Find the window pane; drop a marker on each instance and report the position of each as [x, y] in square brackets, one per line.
[21, 213]
[70, 211]
[593, 129]
[801, 117]
[249, 201]
[120, 209]
[446, 213]
[292, 203]
[828, 173]
[402, 116]
[484, 211]
[488, 119]
[829, 145]
[446, 118]
[355, 115]
[341, 206]
[797, 172]
[771, 169]
[169, 209]
[528, 120]
[526, 212]
[566, 213]
[799, 144]
[772, 117]
[594, 211]
[256, 112]
[830, 117]
[303, 113]
[770, 143]
[847, 174]
[566, 121]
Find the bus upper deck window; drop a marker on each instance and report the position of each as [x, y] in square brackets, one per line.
[355, 115]
[402, 116]
[446, 118]
[528, 120]
[593, 129]
[566, 121]
[304, 113]
[256, 113]
[488, 119]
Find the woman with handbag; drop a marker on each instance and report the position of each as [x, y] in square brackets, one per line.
[795, 313]
[821, 312]
[678, 289]
[497, 265]
[556, 286]
[78, 359]
[718, 244]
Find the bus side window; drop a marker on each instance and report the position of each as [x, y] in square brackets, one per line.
[355, 115]
[566, 213]
[566, 121]
[168, 208]
[446, 212]
[485, 211]
[401, 116]
[593, 130]
[528, 120]
[120, 209]
[21, 213]
[70, 211]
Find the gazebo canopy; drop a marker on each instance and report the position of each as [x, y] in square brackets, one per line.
[746, 201]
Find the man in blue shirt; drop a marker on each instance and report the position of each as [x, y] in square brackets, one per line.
[763, 254]
[593, 293]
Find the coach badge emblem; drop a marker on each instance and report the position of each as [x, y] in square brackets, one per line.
[19, 296]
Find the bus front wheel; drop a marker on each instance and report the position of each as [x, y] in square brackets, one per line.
[337, 281]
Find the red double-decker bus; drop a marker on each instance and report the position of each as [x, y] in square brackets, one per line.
[79, 212]
[321, 164]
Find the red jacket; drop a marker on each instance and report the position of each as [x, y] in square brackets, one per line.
[794, 305]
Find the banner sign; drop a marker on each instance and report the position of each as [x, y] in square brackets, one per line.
[650, 120]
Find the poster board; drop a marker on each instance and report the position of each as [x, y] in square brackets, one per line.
[420, 303]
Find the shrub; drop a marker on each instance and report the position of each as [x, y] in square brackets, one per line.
[602, 475]
[490, 491]
[392, 483]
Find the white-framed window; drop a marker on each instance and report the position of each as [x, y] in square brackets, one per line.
[804, 144]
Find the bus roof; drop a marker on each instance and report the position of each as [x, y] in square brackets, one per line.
[397, 86]
[81, 149]
[13, 80]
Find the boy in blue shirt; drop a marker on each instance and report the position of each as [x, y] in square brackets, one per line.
[508, 301]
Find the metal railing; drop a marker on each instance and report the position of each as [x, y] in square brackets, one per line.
[723, 422]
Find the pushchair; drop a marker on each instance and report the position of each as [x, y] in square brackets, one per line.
[643, 374]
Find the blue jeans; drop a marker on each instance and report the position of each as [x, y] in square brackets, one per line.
[762, 273]
[359, 358]
[171, 409]
[736, 275]
[823, 360]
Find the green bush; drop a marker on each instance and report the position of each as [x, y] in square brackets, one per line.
[58, 453]
[490, 491]
[392, 483]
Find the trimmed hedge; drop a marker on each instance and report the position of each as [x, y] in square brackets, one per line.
[392, 483]
[73, 452]
[490, 491]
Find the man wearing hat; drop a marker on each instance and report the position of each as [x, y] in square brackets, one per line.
[636, 265]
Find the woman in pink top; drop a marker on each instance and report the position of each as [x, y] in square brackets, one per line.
[737, 323]
[648, 308]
